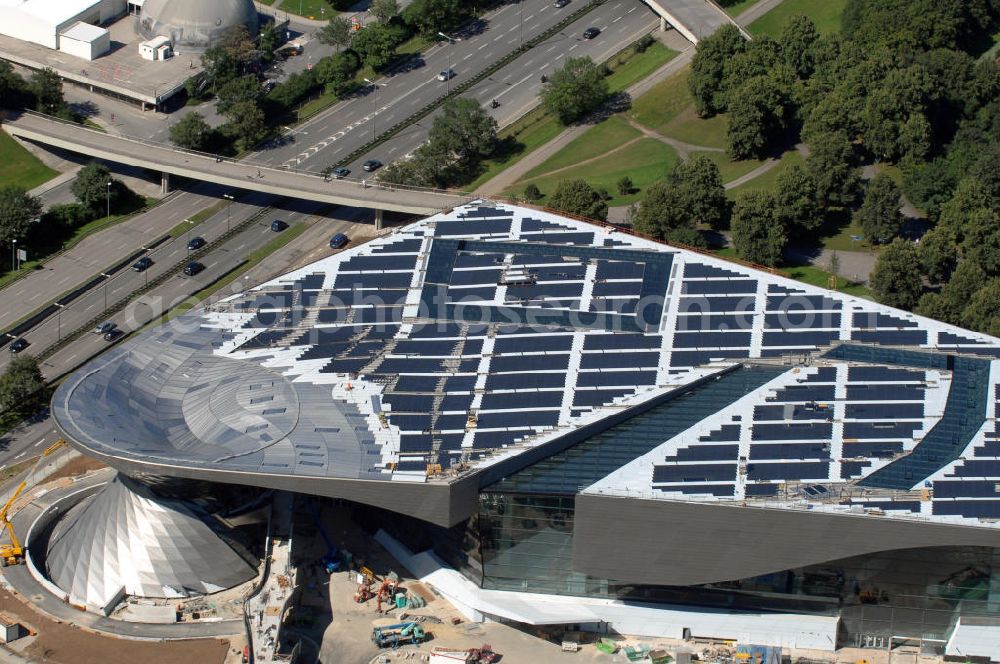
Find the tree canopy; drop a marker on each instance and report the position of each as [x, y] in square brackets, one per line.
[91, 187]
[879, 216]
[575, 90]
[18, 209]
[691, 194]
[22, 387]
[758, 234]
[579, 198]
[896, 279]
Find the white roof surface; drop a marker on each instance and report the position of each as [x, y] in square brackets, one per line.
[53, 11]
[84, 32]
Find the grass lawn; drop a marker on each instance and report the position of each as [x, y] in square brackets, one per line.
[736, 8]
[840, 240]
[316, 9]
[644, 161]
[596, 141]
[824, 13]
[729, 169]
[629, 68]
[809, 274]
[19, 167]
[769, 181]
[688, 127]
[517, 140]
[663, 102]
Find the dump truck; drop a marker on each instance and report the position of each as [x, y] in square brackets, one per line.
[393, 636]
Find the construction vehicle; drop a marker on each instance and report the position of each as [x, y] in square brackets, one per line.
[386, 590]
[483, 655]
[13, 553]
[393, 636]
[331, 559]
[365, 584]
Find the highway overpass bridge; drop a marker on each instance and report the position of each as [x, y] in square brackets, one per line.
[228, 172]
[695, 19]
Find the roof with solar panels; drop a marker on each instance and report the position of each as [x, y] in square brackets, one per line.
[474, 335]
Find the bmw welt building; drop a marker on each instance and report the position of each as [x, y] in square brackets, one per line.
[560, 423]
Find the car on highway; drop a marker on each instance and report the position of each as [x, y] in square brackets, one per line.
[104, 327]
[193, 268]
[197, 242]
[113, 335]
[371, 165]
[559, 4]
[278, 225]
[446, 74]
[18, 345]
[340, 172]
[590, 33]
[338, 241]
[142, 264]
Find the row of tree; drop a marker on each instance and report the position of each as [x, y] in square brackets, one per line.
[41, 92]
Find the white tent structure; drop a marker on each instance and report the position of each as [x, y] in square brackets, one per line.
[44, 21]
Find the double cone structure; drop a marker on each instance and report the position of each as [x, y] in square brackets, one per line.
[126, 541]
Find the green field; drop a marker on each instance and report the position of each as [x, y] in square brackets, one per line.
[824, 13]
[20, 168]
[629, 68]
[664, 102]
[737, 8]
[314, 9]
[769, 181]
[645, 161]
[596, 141]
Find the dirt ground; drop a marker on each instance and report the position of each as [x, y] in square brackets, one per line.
[81, 465]
[58, 643]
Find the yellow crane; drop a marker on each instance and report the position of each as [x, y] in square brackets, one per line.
[13, 553]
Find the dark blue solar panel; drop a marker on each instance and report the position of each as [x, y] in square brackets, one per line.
[806, 392]
[325, 335]
[728, 286]
[702, 270]
[892, 505]
[876, 319]
[338, 365]
[410, 245]
[792, 431]
[891, 337]
[777, 413]
[706, 453]
[978, 468]
[311, 281]
[478, 260]
[415, 442]
[475, 277]
[799, 320]
[885, 393]
[474, 294]
[376, 314]
[861, 374]
[788, 471]
[852, 469]
[760, 490]
[407, 262]
[366, 349]
[518, 419]
[798, 302]
[966, 489]
[715, 322]
[620, 341]
[470, 226]
[456, 402]
[417, 384]
[521, 344]
[716, 304]
[823, 375]
[712, 489]
[450, 441]
[711, 339]
[883, 449]
[486, 439]
[409, 403]
[324, 350]
[788, 451]
[619, 270]
[617, 288]
[990, 448]
[508, 400]
[529, 363]
[545, 290]
[410, 365]
[529, 225]
[436, 329]
[411, 464]
[419, 347]
[703, 472]
[559, 238]
[615, 378]
[596, 397]
[863, 430]
[522, 381]
[725, 433]
[451, 422]
[986, 509]
[411, 422]
[619, 359]
[625, 307]
[947, 338]
[804, 338]
[885, 411]
[374, 280]
[561, 273]
[695, 359]
[460, 384]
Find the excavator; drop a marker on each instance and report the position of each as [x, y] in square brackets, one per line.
[13, 553]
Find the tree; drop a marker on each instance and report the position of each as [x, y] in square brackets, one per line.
[938, 256]
[625, 186]
[707, 69]
[241, 89]
[831, 163]
[758, 235]
[896, 277]
[47, 88]
[247, 121]
[433, 16]
[982, 239]
[91, 188]
[12, 87]
[798, 41]
[798, 205]
[879, 215]
[236, 54]
[757, 111]
[376, 44]
[384, 10]
[983, 311]
[22, 387]
[336, 33]
[17, 211]
[270, 38]
[947, 305]
[192, 132]
[465, 132]
[575, 90]
[532, 192]
[691, 194]
[337, 71]
[579, 198]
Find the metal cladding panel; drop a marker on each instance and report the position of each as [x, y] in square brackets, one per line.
[684, 543]
[127, 539]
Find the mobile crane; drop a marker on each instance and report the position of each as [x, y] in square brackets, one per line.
[13, 553]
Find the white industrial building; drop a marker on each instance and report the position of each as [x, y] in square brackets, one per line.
[57, 23]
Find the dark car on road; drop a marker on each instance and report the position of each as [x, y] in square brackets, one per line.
[104, 327]
[193, 268]
[113, 335]
[590, 33]
[371, 165]
[446, 74]
[197, 242]
[18, 345]
[278, 225]
[340, 172]
[559, 4]
[338, 241]
[142, 264]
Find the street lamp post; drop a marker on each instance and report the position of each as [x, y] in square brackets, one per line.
[108, 197]
[107, 277]
[229, 209]
[374, 103]
[13, 255]
[450, 65]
